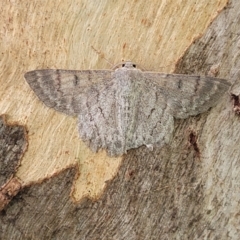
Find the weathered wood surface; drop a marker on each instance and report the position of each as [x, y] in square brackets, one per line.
[187, 190]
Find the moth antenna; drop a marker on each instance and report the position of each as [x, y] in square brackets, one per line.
[102, 56]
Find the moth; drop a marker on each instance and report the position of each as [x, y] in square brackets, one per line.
[126, 107]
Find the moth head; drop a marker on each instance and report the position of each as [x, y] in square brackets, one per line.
[129, 64]
[126, 64]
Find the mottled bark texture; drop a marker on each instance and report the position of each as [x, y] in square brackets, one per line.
[189, 189]
[13, 144]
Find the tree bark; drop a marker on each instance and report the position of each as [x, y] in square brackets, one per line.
[188, 189]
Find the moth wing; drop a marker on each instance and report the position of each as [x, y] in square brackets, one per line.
[188, 95]
[63, 89]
